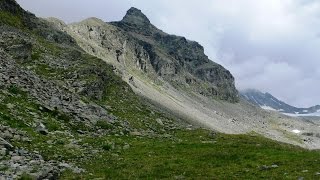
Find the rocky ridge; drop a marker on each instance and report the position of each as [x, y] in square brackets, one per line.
[267, 101]
[178, 60]
[134, 44]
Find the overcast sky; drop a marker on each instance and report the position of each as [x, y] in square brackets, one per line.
[270, 45]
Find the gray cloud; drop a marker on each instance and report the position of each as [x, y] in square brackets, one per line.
[270, 45]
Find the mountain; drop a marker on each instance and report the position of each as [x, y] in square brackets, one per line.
[169, 70]
[269, 102]
[97, 100]
[174, 74]
[176, 60]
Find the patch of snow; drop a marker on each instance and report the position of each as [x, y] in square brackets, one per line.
[305, 110]
[267, 108]
[318, 110]
[296, 131]
[297, 115]
[274, 100]
[254, 99]
[281, 110]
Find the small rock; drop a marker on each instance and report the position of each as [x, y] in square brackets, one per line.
[38, 156]
[127, 146]
[72, 146]
[10, 106]
[34, 162]
[213, 134]
[159, 121]
[115, 155]
[94, 151]
[179, 177]
[3, 152]
[135, 133]
[264, 167]
[80, 132]
[6, 144]
[17, 158]
[7, 135]
[16, 137]
[304, 171]
[25, 139]
[22, 152]
[64, 165]
[233, 120]
[42, 129]
[274, 166]
[189, 127]
[8, 172]
[77, 170]
[22, 169]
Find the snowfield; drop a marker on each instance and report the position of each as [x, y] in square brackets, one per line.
[268, 108]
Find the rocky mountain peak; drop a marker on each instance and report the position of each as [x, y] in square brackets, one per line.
[135, 16]
[176, 59]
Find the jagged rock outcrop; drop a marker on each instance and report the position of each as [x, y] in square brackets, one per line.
[135, 16]
[135, 44]
[174, 57]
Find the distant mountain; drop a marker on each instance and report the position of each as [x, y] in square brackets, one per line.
[269, 102]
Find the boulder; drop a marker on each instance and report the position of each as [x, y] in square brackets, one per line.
[42, 129]
[6, 144]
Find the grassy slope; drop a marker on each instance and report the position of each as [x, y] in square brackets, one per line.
[196, 155]
[189, 154]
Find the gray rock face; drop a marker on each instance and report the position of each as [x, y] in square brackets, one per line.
[5, 144]
[176, 57]
[42, 129]
[135, 15]
[136, 44]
